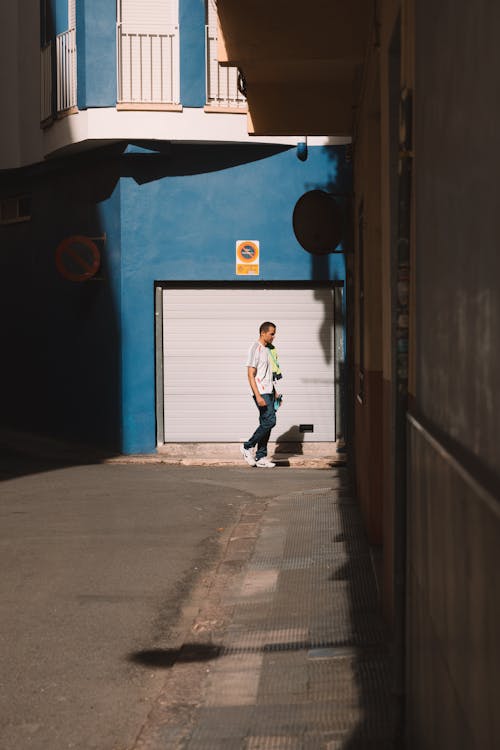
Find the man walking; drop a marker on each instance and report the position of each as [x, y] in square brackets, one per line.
[260, 377]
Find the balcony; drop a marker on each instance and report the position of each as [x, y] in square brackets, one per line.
[66, 70]
[222, 80]
[148, 68]
[58, 75]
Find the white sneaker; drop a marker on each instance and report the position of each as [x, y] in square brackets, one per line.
[264, 463]
[247, 455]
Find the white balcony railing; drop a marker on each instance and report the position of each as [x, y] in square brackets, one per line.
[64, 76]
[148, 66]
[46, 82]
[66, 70]
[222, 80]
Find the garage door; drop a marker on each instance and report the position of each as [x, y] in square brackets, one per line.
[206, 337]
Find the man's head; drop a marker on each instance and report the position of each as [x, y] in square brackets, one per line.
[267, 332]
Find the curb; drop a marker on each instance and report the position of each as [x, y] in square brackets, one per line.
[38, 447]
[283, 461]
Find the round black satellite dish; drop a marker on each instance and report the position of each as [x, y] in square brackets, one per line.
[318, 222]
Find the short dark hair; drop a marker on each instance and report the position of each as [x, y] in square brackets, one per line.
[264, 327]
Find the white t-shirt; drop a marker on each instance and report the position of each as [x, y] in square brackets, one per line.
[258, 357]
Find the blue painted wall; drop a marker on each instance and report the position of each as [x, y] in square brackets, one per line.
[181, 217]
[96, 45]
[192, 52]
[81, 355]
[59, 10]
[96, 59]
[53, 19]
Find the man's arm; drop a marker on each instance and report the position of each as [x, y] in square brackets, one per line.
[251, 371]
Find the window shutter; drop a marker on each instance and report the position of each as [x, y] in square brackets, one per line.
[148, 15]
[148, 48]
[71, 14]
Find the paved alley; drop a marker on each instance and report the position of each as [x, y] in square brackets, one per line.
[153, 606]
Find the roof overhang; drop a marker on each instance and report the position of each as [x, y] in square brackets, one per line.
[301, 62]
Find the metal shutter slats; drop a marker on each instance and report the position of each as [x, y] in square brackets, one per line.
[206, 336]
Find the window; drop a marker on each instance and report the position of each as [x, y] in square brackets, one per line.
[148, 52]
[57, 63]
[15, 209]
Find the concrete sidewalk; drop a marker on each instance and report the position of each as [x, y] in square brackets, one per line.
[287, 649]
[293, 455]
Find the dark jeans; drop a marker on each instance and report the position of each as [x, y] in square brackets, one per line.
[267, 420]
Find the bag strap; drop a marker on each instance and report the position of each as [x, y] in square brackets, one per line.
[274, 357]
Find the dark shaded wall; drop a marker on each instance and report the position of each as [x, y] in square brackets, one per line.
[454, 515]
[60, 339]
[368, 371]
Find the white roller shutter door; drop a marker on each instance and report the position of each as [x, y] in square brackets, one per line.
[206, 337]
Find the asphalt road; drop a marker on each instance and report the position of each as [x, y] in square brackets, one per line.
[96, 562]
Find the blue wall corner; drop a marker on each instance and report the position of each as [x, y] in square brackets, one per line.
[192, 52]
[170, 216]
[59, 10]
[193, 206]
[138, 383]
[96, 53]
[53, 19]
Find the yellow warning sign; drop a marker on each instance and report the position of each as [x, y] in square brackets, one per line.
[247, 257]
[242, 270]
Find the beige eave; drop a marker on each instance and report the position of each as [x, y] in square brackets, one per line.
[302, 62]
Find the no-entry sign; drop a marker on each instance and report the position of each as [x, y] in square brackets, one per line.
[247, 257]
[78, 258]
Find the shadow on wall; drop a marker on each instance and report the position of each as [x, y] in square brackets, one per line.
[62, 341]
[146, 161]
[338, 185]
[176, 161]
[320, 270]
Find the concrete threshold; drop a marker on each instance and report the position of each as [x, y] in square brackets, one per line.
[302, 455]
